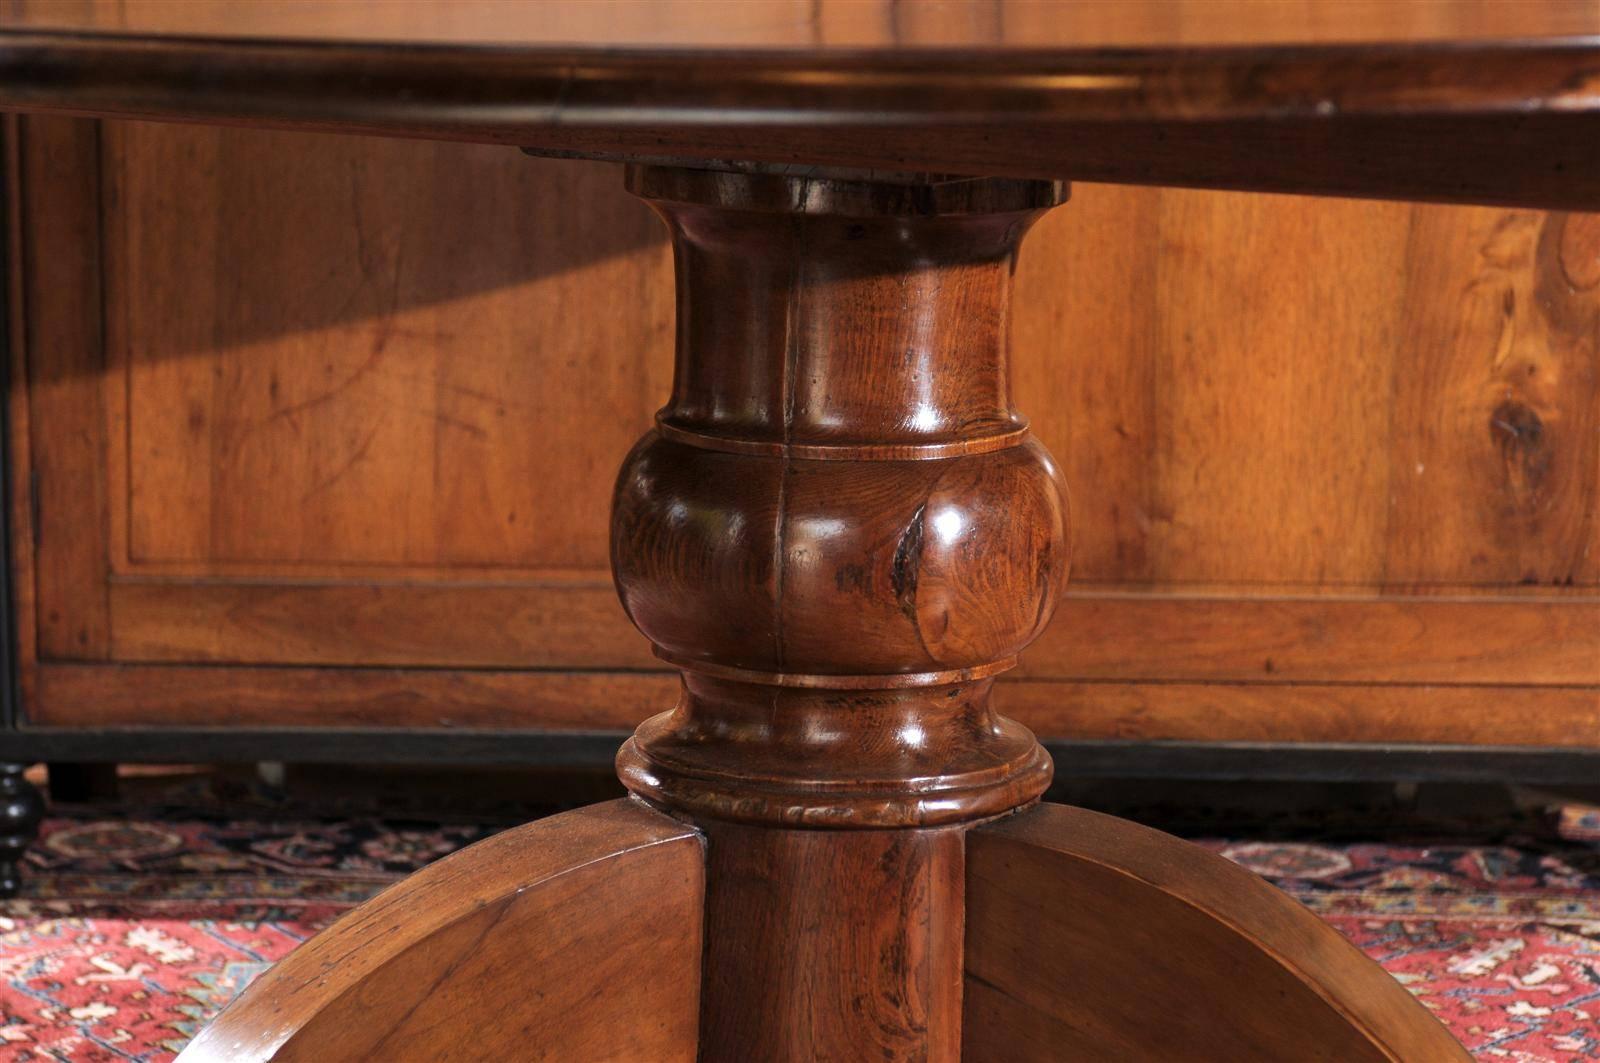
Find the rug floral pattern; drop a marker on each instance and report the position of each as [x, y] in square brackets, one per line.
[131, 933]
[1502, 942]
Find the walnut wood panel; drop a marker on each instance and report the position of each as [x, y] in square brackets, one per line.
[1319, 489]
[1387, 640]
[577, 625]
[444, 377]
[1547, 717]
[1181, 424]
[190, 696]
[574, 937]
[57, 182]
[1393, 639]
[1273, 390]
[1500, 400]
[1093, 938]
[20, 562]
[116, 695]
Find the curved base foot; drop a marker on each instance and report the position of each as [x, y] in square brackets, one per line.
[1091, 938]
[579, 937]
[574, 937]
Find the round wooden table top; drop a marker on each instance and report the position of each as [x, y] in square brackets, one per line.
[1458, 100]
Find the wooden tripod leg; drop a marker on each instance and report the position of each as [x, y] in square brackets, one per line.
[1091, 938]
[572, 938]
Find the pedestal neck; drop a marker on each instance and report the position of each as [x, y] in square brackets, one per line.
[840, 530]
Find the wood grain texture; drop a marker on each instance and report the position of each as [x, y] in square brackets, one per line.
[1221, 534]
[1203, 417]
[1092, 938]
[61, 344]
[834, 754]
[839, 531]
[1255, 390]
[574, 937]
[571, 625]
[119, 695]
[1323, 639]
[407, 353]
[1401, 116]
[1504, 412]
[832, 944]
[1428, 715]
[165, 696]
[807, 24]
[1202, 637]
[1238, 638]
[21, 581]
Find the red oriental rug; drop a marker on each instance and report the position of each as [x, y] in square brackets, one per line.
[131, 933]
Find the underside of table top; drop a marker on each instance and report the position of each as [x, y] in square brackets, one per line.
[1452, 102]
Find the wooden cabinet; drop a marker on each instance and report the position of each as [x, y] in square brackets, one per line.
[319, 433]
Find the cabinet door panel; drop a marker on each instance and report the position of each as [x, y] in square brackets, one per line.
[301, 410]
[349, 353]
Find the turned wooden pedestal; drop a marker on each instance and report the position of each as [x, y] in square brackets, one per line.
[841, 532]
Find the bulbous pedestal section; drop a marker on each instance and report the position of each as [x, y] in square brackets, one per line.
[815, 603]
[839, 568]
[840, 530]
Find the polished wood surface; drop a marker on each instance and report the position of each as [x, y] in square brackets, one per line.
[574, 937]
[68, 490]
[1091, 938]
[1404, 386]
[380, 359]
[832, 944]
[839, 526]
[235, 696]
[1354, 714]
[1026, 90]
[805, 25]
[839, 531]
[1247, 493]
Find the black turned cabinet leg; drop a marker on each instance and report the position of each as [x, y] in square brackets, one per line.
[21, 810]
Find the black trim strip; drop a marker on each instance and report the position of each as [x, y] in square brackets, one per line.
[1074, 760]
